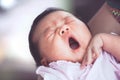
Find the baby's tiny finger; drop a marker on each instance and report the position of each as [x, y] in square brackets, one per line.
[83, 64]
[89, 57]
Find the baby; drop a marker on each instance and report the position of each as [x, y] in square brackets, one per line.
[59, 41]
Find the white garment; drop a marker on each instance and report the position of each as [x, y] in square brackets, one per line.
[104, 68]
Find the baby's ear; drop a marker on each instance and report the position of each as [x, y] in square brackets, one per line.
[44, 62]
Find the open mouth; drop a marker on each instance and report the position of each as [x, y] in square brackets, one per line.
[73, 43]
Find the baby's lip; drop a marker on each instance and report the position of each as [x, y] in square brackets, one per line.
[73, 43]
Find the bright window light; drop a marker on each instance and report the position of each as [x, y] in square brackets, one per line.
[7, 4]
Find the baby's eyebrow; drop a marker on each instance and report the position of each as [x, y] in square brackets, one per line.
[69, 19]
[67, 16]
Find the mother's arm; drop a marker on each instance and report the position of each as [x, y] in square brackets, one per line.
[104, 22]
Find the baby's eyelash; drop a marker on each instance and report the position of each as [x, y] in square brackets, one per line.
[50, 33]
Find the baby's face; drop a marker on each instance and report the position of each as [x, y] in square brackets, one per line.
[61, 36]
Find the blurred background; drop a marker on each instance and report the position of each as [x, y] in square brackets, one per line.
[16, 17]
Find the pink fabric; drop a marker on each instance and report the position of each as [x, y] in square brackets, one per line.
[104, 68]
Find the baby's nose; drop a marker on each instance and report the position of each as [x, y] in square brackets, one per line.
[64, 29]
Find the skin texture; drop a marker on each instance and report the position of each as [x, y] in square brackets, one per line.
[52, 37]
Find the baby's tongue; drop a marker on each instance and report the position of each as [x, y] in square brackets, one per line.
[73, 43]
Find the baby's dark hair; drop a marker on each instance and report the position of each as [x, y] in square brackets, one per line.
[33, 46]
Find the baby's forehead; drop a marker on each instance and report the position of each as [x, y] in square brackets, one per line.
[57, 15]
[53, 17]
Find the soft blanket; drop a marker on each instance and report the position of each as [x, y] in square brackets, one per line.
[105, 67]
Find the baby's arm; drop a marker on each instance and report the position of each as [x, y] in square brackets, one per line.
[107, 42]
[111, 44]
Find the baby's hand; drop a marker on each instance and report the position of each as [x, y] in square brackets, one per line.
[93, 51]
